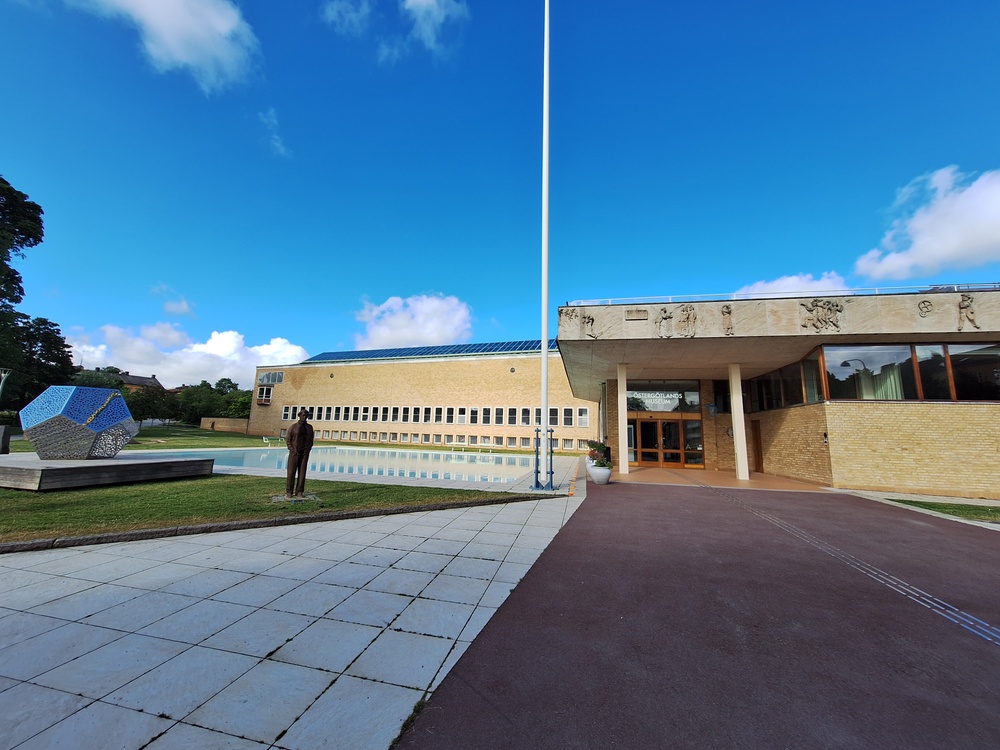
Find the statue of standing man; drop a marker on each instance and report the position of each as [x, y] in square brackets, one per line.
[300, 441]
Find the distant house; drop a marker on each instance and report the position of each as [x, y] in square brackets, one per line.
[129, 382]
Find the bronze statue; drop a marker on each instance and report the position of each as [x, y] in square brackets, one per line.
[300, 442]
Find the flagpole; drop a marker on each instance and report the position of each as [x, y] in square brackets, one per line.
[546, 446]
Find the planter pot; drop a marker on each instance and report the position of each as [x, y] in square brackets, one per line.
[599, 474]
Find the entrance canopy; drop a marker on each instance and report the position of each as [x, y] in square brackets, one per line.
[699, 340]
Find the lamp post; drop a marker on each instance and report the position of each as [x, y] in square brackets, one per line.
[847, 363]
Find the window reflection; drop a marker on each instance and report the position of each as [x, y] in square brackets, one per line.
[870, 372]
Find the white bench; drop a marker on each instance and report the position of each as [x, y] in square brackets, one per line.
[267, 440]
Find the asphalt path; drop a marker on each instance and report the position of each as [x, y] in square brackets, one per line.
[693, 617]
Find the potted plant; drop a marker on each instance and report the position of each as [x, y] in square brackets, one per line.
[600, 471]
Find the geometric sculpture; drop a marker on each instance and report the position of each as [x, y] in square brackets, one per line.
[74, 422]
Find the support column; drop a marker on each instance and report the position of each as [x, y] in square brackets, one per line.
[622, 452]
[739, 423]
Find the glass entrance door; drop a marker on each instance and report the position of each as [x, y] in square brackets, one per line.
[673, 443]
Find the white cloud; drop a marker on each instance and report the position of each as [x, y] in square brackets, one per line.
[429, 18]
[208, 38]
[347, 18]
[421, 320]
[178, 307]
[166, 351]
[269, 119]
[830, 281]
[946, 220]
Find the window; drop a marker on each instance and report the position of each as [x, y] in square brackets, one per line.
[812, 378]
[581, 445]
[374, 414]
[449, 439]
[487, 413]
[425, 438]
[395, 414]
[393, 437]
[326, 434]
[437, 440]
[385, 414]
[383, 437]
[264, 395]
[568, 417]
[284, 412]
[270, 378]
[791, 385]
[404, 437]
[498, 415]
[283, 432]
[473, 440]
[567, 444]
[310, 409]
[336, 414]
[355, 415]
[870, 372]
[427, 414]
[538, 416]
[329, 413]
[364, 435]
[438, 414]
[354, 435]
[526, 442]
[406, 413]
[583, 416]
[449, 415]
[511, 415]
[462, 416]
[511, 442]
[933, 372]
[526, 417]
[976, 368]
[473, 415]
[364, 414]
[553, 416]
[343, 434]
[663, 395]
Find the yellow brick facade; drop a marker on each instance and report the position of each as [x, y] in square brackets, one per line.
[458, 382]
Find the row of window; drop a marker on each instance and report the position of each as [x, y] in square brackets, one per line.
[567, 416]
[416, 438]
[899, 372]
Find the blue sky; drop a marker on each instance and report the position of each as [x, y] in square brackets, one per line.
[230, 183]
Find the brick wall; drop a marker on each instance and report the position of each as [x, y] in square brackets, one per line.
[792, 442]
[470, 382]
[224, 424]
[940, 449]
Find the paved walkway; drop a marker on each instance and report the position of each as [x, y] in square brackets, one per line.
[297, 637]
[706, 617]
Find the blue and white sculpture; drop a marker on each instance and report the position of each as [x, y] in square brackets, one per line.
[76, 423]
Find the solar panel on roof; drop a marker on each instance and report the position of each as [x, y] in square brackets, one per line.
[446, 350]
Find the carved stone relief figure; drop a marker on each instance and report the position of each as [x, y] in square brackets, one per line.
[924, 308]
[688, 323]
[822, 314]
[664, 324]
[965, 312]
[727, 319]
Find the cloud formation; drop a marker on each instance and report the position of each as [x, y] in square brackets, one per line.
[166, 351]
[269, 120]
[346, 17]
[946, 219]
[421, 320]
[424, 23]
[208, 38]
[830, 281]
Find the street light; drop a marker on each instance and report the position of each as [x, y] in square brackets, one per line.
[847, 363]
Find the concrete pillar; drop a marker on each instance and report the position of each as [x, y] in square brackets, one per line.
[739, 422]
[621, 454]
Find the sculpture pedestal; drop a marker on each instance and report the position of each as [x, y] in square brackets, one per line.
[26, 471]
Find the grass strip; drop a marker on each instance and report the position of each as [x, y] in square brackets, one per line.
[968, 512]
[187, 502]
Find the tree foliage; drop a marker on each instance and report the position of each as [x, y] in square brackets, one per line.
[97, 379]
[20, 227]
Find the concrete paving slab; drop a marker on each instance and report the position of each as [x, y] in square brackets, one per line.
[404, 659]
[259, 633]
[186, 737]
[26, 710]
[100, 725]
[328, 644]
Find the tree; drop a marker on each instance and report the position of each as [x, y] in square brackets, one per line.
[20, 227]
[199, 401]
[147, 403]
[238, 404]
[225, 386]
[97, 379]
[43, 359]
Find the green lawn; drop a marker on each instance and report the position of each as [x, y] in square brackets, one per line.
[970, 512]
[43, 515]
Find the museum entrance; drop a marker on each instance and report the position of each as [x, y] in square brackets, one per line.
[670, 443]
[664, 424]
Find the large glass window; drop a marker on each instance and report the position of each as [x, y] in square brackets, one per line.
[933, 372]
[976, 369]
[812, 378]
[870, 372]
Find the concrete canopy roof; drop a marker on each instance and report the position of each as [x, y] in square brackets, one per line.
[698, 340]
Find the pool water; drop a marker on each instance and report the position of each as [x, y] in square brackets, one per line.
[461, 467]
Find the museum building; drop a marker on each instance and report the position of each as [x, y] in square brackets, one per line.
[897, 392]
[462, 396]
[894, 391]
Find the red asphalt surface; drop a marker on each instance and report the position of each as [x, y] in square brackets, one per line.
[692, 617]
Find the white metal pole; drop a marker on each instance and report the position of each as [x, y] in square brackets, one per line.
[545, 447]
